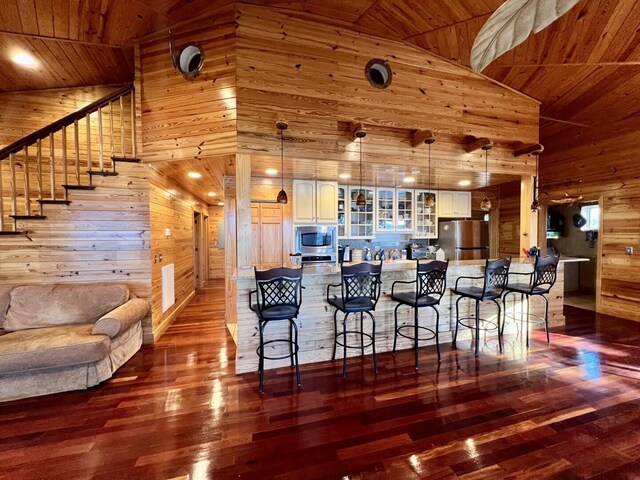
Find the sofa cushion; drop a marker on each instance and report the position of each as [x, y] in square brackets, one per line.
[40, 306]
[5, 298]
[121, 318]
[51, 347]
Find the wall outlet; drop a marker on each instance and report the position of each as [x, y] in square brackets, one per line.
[628, 250]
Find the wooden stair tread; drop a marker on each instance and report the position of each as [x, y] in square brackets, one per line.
[28, 217]
[126, 160]
[102, 173]
[79, 187]
[54, 202]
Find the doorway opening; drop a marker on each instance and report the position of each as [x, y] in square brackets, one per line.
[200, 253]
[574, 231]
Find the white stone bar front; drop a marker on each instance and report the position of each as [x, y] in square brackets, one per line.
[315, 321]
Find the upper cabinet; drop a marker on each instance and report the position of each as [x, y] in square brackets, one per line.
[315, 202]
[385, 209]
[426, 218]
[453, 204]
[361, 217]
[343, 206]
[405, 210]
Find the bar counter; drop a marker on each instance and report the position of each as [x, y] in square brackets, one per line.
[315, 321]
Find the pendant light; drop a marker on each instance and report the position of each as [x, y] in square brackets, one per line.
[485, 204]
[430, 201]
[535, 205]
[361, 200]
[282, 125]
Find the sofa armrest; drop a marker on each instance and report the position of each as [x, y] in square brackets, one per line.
[122, 318]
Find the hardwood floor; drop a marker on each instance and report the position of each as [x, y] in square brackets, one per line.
[570, 410]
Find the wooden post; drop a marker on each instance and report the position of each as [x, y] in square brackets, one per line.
[27, 193]
[52, 167]
[243, 210]
[100, 142]
[1, 202]
[39, 170]
[65, 173]
[528, 219]
[122, 127]
[76, 142]
[12, 184]
[88, 121]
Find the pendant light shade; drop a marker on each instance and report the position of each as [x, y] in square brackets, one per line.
[361, 200]
[485, 204]
[430, 201]
[535, 204]
[282, 125]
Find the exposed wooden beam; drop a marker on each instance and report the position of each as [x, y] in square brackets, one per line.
[478, 144]
[421, 137]
[444, 27]
[567, 122]
[534, 148]
[65, 40]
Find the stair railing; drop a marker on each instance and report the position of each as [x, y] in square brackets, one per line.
[53, 183]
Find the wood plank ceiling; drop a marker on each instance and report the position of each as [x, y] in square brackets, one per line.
[585, 68]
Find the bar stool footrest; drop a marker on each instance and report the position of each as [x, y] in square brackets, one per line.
[355, 332]
[535, 319]
[279, 340]
[433, 333]
[494, 325]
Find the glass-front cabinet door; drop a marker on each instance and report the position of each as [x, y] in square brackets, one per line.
[342, 211]
[426, 217]
[405, 210]
[385, 211]
[361, 217]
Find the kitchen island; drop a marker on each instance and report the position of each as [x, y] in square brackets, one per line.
[315, 321]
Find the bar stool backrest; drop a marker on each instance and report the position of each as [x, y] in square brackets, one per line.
[496, 273]
[279, 287]
[361, 282]
[432, 279]
[545, 272]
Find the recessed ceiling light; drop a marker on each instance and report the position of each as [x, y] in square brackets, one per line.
[415, 172]
[464, 183]
[221, 204]
[24, 59]
[409, 179]
[212, 194]
[194, 175]
[344, 176]
[271, 171]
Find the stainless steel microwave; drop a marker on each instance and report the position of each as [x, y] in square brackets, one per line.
[317, 244]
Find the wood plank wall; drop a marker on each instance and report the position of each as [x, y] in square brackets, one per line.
[171, 207]
[509, 229]
[186, 119]
[22, 113]
[216, 254]
[313, 75]
[606, 161]
[102, 236]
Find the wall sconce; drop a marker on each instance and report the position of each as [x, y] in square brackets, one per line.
[167, 233]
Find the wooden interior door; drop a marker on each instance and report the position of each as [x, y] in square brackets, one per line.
[270, 235]
[197, 248]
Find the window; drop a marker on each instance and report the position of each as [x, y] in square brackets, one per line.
[592, 214]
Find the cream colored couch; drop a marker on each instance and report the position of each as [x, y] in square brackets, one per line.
[55, 338]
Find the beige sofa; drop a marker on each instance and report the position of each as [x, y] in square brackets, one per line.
[55, 338]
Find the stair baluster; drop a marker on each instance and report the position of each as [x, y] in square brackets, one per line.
[76, 147]
[133, 127]
[65, 174]
[12, 186]
[27, 193]
[122, 128]
[1, 202]
[100, 142]
[52, 166]
[88, 126]
[113, 153]
[39, 171]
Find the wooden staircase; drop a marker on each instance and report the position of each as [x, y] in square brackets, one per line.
[42, 168]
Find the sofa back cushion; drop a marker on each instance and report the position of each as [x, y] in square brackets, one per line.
[39, 306]
[5, 298]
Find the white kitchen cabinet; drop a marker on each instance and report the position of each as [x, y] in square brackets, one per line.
[315, 202]
[385, 209]
[326, 205]
[405, 210]
[452, 204]
[343, 212]
[361, 217]
[426, 218]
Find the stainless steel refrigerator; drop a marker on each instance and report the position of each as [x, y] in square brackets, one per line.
[464, 239]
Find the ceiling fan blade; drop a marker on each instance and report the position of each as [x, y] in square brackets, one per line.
[511, 24]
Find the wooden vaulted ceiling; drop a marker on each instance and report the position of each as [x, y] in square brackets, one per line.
[585, 68]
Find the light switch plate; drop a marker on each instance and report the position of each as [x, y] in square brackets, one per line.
[628, 250]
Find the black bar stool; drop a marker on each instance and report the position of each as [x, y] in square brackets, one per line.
[278, 297]
[541, 280]
[360, 289]
[495, 280]
[431, 283]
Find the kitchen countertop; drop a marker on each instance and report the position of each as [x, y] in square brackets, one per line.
[396, 265]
